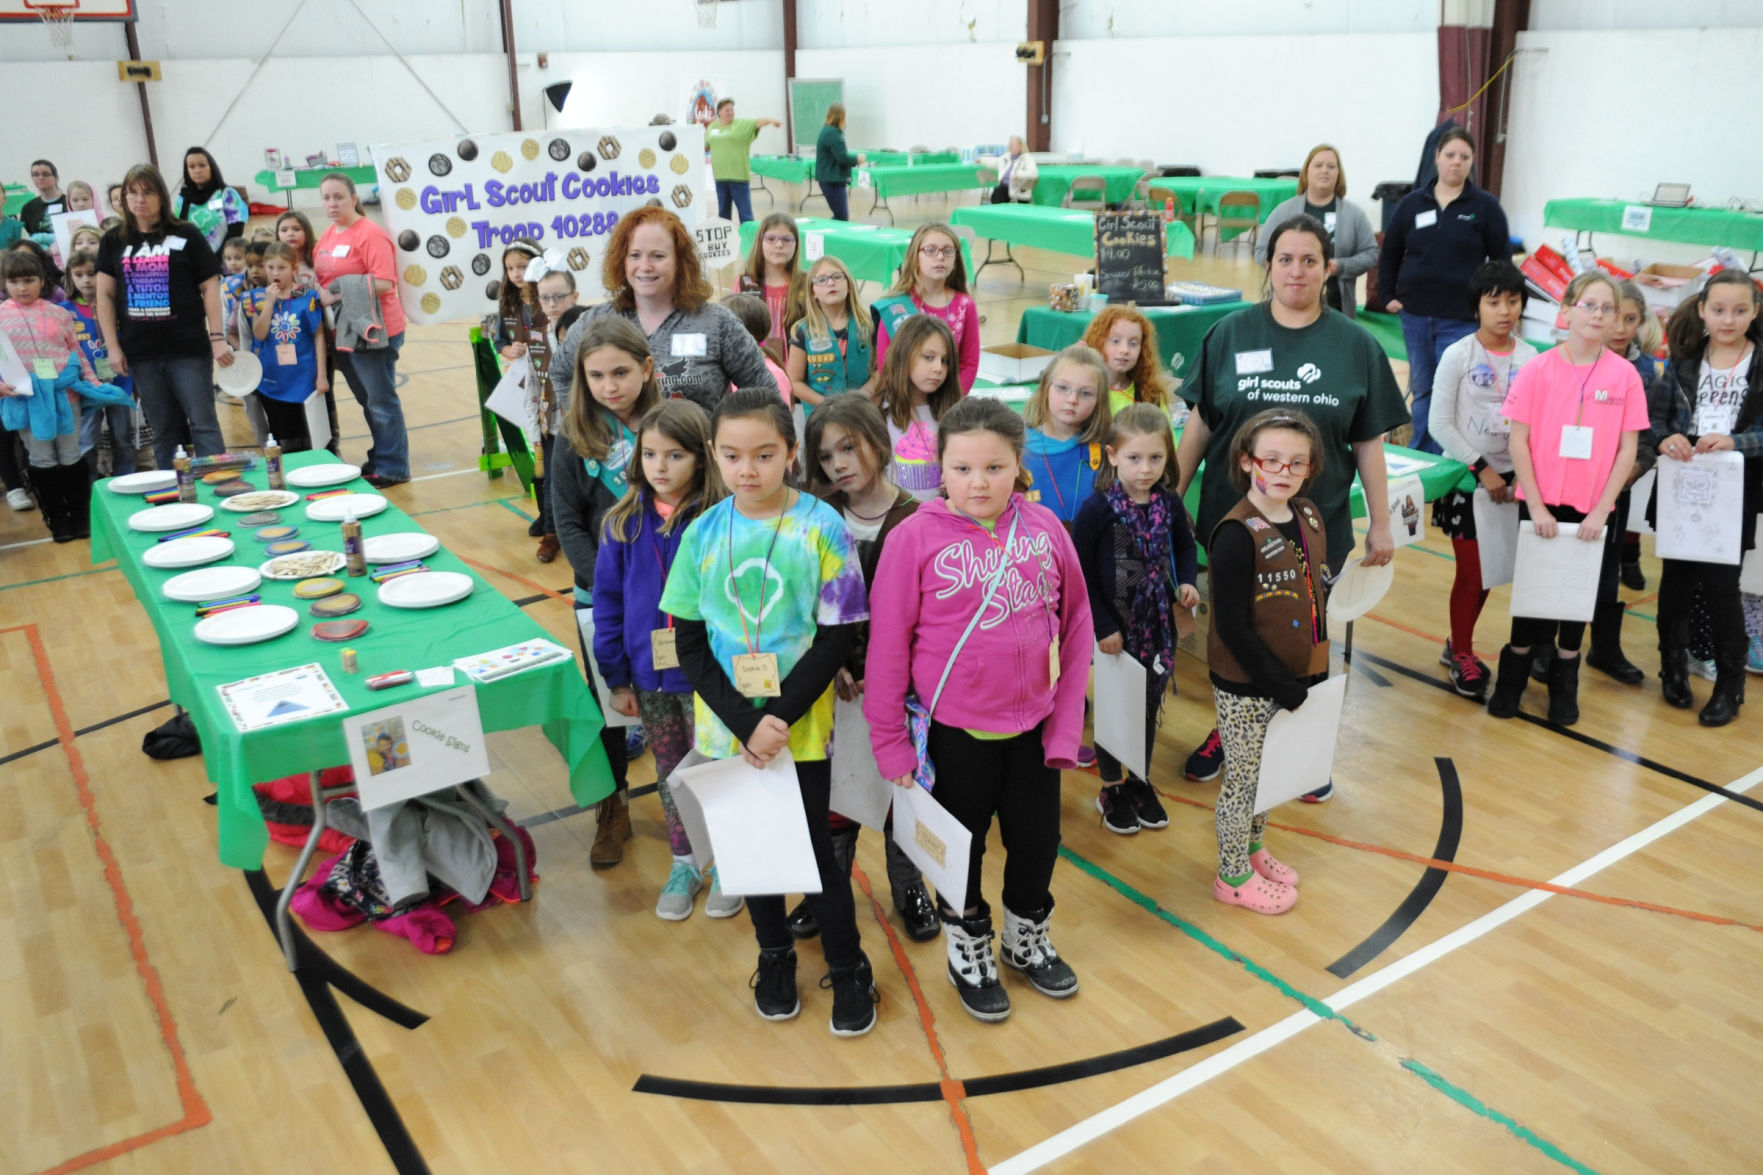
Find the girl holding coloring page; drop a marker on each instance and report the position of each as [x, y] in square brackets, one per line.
[766, 595]
[1577, 413]
[932, 281]
[1067, 421]
[1710, 400]
[981, 613]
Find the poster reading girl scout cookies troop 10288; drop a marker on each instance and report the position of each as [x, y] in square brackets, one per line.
[453, 205]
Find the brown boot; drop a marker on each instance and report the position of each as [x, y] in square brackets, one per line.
[612, 830]
[548, 548]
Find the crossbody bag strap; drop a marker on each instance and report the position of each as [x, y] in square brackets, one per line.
[984, 602]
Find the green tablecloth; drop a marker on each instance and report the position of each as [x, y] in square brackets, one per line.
[1200, 193]
[889, 181]
[554, 697]
[902, 159]
[17, 196]
[1690, 226]
[311, 177]
[1180, 329]
[873, 253]
[1053, 180]
[788, 168]
[1059, 230]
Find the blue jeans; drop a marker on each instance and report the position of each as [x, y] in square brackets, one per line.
[178, 397]
[738, 192]
[838, 198]
[1426, 339]
[373, 377]
[122, 437]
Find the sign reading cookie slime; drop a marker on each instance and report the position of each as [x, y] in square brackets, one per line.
[452, 206]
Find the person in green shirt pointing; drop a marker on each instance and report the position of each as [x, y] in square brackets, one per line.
[729, 139]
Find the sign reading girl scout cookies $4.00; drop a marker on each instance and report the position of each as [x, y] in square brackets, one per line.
[454, 205]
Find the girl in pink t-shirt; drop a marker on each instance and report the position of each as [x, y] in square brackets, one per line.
[1577, 413]
[933, 281]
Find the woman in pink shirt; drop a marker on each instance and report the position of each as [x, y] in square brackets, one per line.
[355, 246]
[1577, 413]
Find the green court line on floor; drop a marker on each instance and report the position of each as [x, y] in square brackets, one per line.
[53, 578]
[508, 504]
[1322, 1011]
[461, 506]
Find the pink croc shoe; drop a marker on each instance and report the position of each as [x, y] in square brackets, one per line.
[1257, 894]
[1264, 863]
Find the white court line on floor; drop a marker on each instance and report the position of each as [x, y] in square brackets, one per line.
[1167, 1090]
[26, 543]
[449, 473]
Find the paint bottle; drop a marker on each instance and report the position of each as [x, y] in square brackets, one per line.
[272, 463]
[350, 664]
[353, 555]
[180, 461]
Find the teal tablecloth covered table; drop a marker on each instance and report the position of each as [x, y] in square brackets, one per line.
[554, 697]
[887, 181]
[1053, 180]
[903, 159]
[873, 253]
[17, 196]
[1689, 226]
[1180, 329]
[1058, 230]
[311, 177]
[1200, 193]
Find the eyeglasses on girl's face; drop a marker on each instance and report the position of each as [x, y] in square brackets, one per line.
[937, 251]
[830, 279]
[1299, 467]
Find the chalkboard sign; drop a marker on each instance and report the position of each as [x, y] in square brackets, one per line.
[1129, 256]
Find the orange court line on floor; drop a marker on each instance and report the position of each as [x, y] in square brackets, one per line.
[520, 579]
[196, 1111]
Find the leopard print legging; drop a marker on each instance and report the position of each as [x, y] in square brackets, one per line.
[1242, 728]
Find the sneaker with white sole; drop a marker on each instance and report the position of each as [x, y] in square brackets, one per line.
[1146, 805]
[1116, 807]
[774, 984]
[1207, 761]
[1321, 795]
[1704, 669]
[20, 499]
[683, 884]
[718, 904]
[1754, 657]
[854, 997]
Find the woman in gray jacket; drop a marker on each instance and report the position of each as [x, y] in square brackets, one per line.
[1322, 193]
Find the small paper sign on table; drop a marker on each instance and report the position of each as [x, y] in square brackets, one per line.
[1298, 753]
[1496, 537]
[416, 747]
[1700, 513]
[584, 620]
[1407, 510]
[859, 790]
[750, 821]
[1120, 709]
[936, 842]
[1555, 579]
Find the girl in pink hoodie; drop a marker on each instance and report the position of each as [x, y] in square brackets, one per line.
[982, 593]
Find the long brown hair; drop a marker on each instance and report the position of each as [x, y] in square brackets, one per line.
[687, 425]
[895, 391]
[1149, 384]
[1243, 444]
[510, 297]
[690, 290]
[862, 422]
[1140, 420]
[907, 281]
[145, 175]
[984, 414]
[1685, 331]
[342, 177]
[584, 425]
[306, 250]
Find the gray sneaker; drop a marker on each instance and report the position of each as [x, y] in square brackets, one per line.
[718, 904]
[683, 884]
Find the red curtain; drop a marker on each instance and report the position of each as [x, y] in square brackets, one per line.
[1464, 65]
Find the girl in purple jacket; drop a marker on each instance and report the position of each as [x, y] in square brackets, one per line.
[982, 592]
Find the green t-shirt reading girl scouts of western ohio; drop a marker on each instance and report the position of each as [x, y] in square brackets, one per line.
[1332, 371]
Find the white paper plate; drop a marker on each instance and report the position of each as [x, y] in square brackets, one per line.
[429, 589]
[176, 516]
[330, 473]
[333, 509]
[255, 500]
[242, 375]
[211, 583]
[188, 552]
[145, 482]
[402, 545]
[1359, 588]
[304, 565]
[247, 626]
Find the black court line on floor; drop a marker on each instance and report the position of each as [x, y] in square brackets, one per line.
[931, 1091]
[1427, 888]
[1371, 674]
[27, 752]
[526, 601]
[1586, 739]
[576, 809]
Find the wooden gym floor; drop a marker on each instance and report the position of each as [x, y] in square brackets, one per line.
[1520, 948]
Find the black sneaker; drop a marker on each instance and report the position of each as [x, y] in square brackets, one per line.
[853, 997]
[1116, 807]
[801, 922]
[918, 914]
[1146, 804]
[1207, 762]
[774, 984]
[1470, 677]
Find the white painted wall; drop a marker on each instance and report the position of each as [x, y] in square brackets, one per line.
[931, 95]
[864, 24]
[1553, 16]
[620, 89]
[1089, 19]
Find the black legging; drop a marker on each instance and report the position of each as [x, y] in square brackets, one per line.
[977, 778]
[1567, 635]
[11, 471]
[833, 907]
[1681, 582]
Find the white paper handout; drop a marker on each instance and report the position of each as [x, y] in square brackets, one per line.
[1120, 708]
[62, 225]
[1700, 513]
[1496, 538]
[1639, 495]
[14, 372]
[286, 695]
[416, 747]
[936, 842]
[1555, 579]
[584, 620]
[858, 790]
[511, 400]
[755, 824]
[1298, 753]
[1407, 510]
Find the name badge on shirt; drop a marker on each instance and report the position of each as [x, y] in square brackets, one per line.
[690, 346]
[340, 251]
[176, 244]
[1254, 362]
[664, 653]
[44, 370]
[1328, 221]
[1426, 219]
[102, 369]
[1576, 442]
[1053, 661]
[756, 675]
[285, 356]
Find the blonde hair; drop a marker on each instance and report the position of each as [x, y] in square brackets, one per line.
[1340, 175]
[1141, 420]
[685, 424]
[1035, 412]
[857, 318]
[907, 281]
[1651, 336]
[835, 115]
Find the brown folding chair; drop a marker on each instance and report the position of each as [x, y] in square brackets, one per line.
[1087, 191]
[1240, 209]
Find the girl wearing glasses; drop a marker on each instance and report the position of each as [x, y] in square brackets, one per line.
[829, 346]
[772, 274]
[1269, 638]
[933, 281]
[1577, 412]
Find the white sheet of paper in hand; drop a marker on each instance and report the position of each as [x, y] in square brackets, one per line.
[511, 401]
[690, 813]
[1700, 515]
[1555, 579]
[584, 620]
[1639, 494]
[14, 372]
[1120, 708]
[757, 828]
[1407, 510]
[858, 790]
[1299, 751]
[936, 842]
[1496, 535]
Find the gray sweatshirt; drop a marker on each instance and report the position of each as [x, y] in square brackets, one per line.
[1355, 245]
[698, 354]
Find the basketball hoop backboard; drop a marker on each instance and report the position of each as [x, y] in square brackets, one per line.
[91, 10]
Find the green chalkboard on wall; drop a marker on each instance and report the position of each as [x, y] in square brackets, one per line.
[809, 98]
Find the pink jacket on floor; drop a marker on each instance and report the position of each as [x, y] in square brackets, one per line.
[932, 577]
